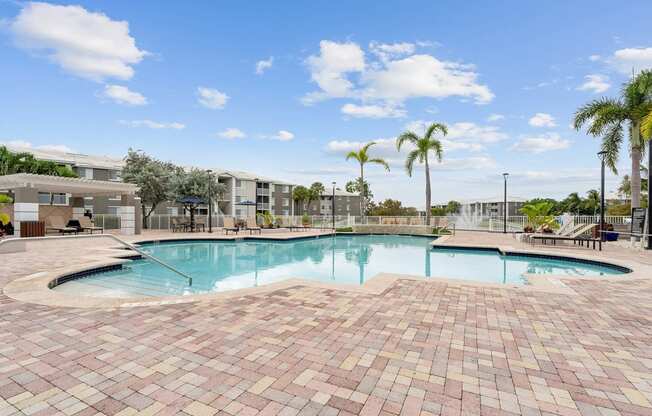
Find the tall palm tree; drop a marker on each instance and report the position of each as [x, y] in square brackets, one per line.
[609, 118]
[422, 148]
[362, 157]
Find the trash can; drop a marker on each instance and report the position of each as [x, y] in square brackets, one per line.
[32, 229]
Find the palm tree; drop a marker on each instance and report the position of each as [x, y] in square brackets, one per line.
[608, 118]
[362, 157]
[422, 147]
[592, 201]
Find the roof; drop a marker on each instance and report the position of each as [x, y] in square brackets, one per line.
[338, 192]
[493, 199]
[74, 159]
[74, 186]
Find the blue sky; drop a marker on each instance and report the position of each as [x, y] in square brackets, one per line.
[284, 89]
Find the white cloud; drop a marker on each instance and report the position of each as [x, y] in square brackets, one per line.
[211, 98]
[283, 135]
[25, 145]
[86, 44]
[632, 58]
[594, 58]
[329, 69]
[391, 50]
[542, 120]
[475, 133]
[232, 133]
[595, 83]
[392, 79]
[153, 124]
[372, 111]
[542, 143]
[123, 95]
[263, 65]
[495, 117]
[423, 76]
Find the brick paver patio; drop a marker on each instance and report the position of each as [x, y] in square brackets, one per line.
[420, 347]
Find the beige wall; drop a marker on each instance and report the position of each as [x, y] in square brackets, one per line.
[45, 211]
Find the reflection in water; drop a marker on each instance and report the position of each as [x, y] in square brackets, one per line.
[218, 266]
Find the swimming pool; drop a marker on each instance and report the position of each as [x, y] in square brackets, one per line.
[350, 259]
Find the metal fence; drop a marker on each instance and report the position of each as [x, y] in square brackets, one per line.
[478, 223]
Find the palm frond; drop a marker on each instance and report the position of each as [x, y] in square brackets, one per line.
[409, 137]
[611, 143]
[437, 147]
[646, 126]
[409, 161]
[434, 127]
[599, 114]
[353, 155]
[381, 162]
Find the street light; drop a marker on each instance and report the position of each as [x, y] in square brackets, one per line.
[602, 155]
[505, 207]
[333, 205]
[210, 202]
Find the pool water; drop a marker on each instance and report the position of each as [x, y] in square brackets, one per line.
[217, 266]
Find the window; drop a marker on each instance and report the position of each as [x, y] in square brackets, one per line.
[286, 188]
[173, 211]
[46, 198]
[238, 183]
[86, 173]
[286, 202]
[112, 210]
[114, 175]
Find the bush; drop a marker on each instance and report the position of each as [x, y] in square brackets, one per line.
[344, 230]
[441, 231]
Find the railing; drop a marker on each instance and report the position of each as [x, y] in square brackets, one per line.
[106, 221]
[515, 223]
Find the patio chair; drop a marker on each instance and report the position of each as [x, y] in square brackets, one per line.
[253, 226]
[200, 223]
[563, 231]
[177, 225]
[56, 223]
[229, 225]
[86, 225]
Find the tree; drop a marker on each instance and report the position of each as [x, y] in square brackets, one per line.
[608, 118]
[25, 162]
[592, 201]
[195, 183]
[572, 203]
[315, 192]
[392, 208]
[360, 187]
[153, 177]
[300, 194]
[453, 207]
[362, 157]
[4, 217]
[422, 148]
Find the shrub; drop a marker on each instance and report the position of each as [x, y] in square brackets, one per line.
[344, 230]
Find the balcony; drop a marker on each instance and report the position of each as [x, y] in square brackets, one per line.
[262, 192]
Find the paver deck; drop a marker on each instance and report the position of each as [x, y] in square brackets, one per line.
[418, 348]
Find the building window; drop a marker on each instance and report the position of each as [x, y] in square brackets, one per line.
[114, 175]
[86, 173]
[173, 211]
[286, 189]
[112, 210]
[238, 183]
[46, 198]
[286, 202]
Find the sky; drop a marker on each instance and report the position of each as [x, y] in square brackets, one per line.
[286, 89]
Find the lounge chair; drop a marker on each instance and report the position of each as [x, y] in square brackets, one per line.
[253, 226]
[56, 223]
[177, 225]
[86, 225]
[563, 231]
[578, 236]
[229, 225]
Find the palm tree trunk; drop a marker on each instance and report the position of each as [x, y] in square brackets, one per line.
[363, 191]
[636, 166]
[428, 203]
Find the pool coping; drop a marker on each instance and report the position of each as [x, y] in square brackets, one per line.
[36, 288]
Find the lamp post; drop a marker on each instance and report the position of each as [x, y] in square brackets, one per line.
[210, 201]
[333, 205]
[505, 207]
[602, 155]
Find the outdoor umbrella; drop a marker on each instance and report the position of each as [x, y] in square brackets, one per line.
[247, 204]
[190, 203]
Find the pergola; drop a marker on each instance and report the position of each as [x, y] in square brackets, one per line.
[26, 187]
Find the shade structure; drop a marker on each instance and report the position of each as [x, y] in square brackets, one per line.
[74, 186]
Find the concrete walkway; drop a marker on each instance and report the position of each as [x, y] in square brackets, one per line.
[417, 348]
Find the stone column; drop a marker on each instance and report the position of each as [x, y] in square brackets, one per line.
[77, 207]
[127, 214]
[25, 207]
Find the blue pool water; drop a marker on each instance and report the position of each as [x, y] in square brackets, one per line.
[224, 265]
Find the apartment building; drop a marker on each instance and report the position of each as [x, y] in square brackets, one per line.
[346, 203]
[243, 190]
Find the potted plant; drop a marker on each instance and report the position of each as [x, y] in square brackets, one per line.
[539, 217]
[305, 220]
[267, 219]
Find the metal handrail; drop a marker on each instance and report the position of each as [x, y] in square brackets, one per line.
[113, 237]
